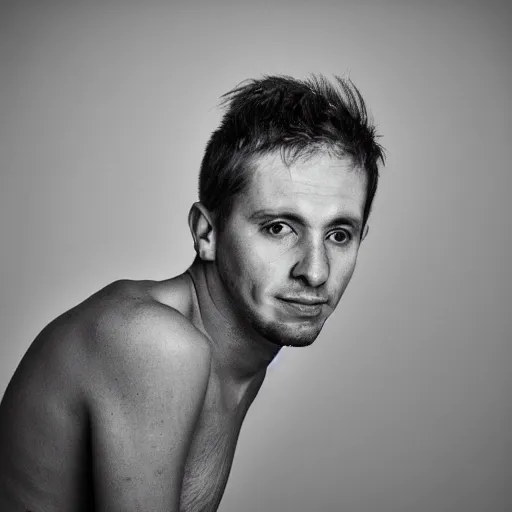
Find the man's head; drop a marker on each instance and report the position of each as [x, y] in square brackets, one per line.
[286, 187]
[296, 118]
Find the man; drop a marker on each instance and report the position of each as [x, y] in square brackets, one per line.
[134, 399]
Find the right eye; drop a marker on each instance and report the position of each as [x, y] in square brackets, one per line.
[278, 229]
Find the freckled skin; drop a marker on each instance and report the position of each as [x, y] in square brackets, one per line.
[134, 399]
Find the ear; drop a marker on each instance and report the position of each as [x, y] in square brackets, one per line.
[365, 231]
[203, 231]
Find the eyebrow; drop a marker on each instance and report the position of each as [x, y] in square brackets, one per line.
[345, 219]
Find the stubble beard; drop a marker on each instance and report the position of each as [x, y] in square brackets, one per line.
[285, 337]
[280, 333]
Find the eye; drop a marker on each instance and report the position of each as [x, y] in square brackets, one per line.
[278, 229]
[340, 237]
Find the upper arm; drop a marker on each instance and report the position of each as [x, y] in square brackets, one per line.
[150, 377]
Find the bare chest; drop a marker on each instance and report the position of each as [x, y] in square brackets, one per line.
[211, 456]
[208, 467]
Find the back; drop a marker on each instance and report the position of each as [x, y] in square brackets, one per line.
[101, 410]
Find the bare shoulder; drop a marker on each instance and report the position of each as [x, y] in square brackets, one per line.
[121, 371]
[136, 340]
[148, 374]
[120, 336]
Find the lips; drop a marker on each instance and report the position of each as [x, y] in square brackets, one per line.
[306, 300]
[303, 306]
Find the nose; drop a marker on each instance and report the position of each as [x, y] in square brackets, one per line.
[312, 265]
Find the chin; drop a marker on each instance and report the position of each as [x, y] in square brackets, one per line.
[290, 335]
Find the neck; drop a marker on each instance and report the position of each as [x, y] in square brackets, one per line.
[239, 353]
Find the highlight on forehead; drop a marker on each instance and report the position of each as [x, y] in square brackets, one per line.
[270, 160]
[326, 189]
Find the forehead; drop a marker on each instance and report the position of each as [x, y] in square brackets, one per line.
[319, 187]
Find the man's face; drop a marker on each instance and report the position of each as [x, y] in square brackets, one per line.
[288, 249]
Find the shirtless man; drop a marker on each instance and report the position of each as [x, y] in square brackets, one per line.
[133, 400]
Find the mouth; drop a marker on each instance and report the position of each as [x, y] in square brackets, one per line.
[304, 306]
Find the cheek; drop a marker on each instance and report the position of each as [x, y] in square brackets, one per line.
[342, 270]
[243, 265]
[273, 258]
[263, 273]
[260, 256]
[232, 254]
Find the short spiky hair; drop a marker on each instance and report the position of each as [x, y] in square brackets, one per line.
[298, 118]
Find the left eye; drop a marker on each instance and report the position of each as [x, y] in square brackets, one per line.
[340, 237]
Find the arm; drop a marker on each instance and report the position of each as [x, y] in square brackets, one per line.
[146, 400]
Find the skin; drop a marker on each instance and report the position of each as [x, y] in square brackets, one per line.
[134, 399]
[294, 234]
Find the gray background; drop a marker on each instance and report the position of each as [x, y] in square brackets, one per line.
[403, 403]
